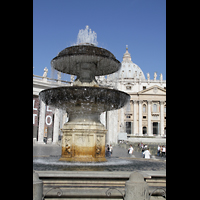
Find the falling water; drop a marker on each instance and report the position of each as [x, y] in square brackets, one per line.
[87, 36]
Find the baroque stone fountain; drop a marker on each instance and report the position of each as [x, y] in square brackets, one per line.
[83, 137]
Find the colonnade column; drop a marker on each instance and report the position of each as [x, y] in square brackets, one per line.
[161, 118]
[149, 132]
[41, 122]
[140, 117]
[134, 118]
[56, 125]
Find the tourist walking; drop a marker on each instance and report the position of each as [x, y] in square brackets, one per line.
[143, 149]
[108, 151]
[111, 150]
[158, 152]
[147, 154]
[163, 151]
[130, 150]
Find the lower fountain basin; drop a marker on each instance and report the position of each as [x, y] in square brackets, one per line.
[83, 137]
[84, 99]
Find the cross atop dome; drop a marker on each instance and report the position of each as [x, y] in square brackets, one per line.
[127, 55]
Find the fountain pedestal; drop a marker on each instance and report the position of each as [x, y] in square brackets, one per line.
[83, 138]
[83, 142]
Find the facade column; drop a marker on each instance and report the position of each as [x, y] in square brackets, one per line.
[134, 118]
[161, 118]
[41, 122]
[122, 123]
[149, 129]
[112, 125]
[140, 117]
[56, 125]
[103, 118]
[132, 129]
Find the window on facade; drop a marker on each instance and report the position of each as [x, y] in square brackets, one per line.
[144, 117]
[144, 130]
[128, 87]
[144, 108]
[144, 87]
[154, 107]
[128, 127]
[155, 128]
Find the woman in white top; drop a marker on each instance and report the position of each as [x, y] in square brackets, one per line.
[111, 149]
[130, 150]
[163, 151]
[147, 154]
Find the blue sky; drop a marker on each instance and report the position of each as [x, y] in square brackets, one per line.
[140, 24]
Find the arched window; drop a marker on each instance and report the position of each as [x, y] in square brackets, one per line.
[144, 130]
[144, 108]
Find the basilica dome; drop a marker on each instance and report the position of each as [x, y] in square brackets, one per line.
[129, 69]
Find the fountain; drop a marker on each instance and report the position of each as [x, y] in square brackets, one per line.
[84, 135]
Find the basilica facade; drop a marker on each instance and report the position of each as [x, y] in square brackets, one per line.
[143, 117]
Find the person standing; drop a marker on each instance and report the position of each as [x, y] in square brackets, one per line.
[111, 149]
[108, 151]
[163, 151]
[161, 148]
[147, 154]
[130, 150]
[158, 152]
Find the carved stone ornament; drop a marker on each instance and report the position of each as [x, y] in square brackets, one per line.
[99, 144]
[67, 145]
[155, 89]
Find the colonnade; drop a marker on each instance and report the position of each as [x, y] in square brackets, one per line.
[56, 122]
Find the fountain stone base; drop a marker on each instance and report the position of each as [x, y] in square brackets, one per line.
[83, 141]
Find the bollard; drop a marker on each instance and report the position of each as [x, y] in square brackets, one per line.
[136, 188]
[37, 187]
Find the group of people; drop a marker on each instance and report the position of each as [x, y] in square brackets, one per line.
[143, 146]
[145, 152]
[122, 141]
[109, 150]
[161, 150]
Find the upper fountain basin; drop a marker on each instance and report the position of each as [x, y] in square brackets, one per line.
[100, 61]
[84, 99]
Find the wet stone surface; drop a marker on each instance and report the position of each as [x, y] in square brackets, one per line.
[113, 164]
[120, 161]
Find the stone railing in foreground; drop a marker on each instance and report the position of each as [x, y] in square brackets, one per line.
[105, 185]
